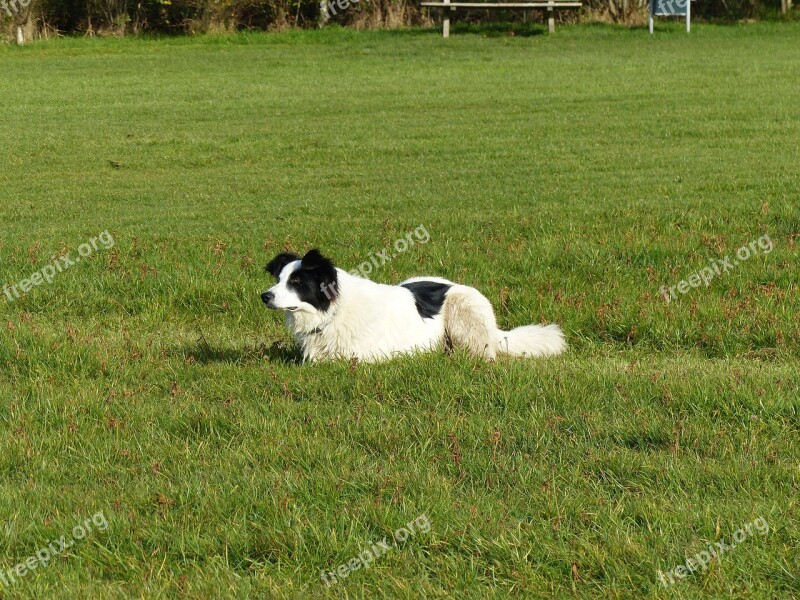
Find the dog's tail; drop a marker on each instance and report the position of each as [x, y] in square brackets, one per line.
[469, 323]
[532, 340]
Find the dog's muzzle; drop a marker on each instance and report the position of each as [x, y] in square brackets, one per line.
[268, 298]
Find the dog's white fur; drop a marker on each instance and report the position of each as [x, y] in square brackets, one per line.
[372, 322]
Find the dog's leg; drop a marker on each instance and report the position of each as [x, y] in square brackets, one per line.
[469, 321]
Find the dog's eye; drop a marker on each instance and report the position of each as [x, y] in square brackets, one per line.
[294, 280]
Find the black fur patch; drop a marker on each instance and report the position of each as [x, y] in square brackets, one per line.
[276, 265]
[315, 282]
[428, 296]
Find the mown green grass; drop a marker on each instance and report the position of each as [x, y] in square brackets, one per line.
[567, 176]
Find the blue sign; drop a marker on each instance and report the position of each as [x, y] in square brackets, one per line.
[670, 8]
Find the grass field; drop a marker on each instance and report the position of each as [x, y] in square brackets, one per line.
[567, 176]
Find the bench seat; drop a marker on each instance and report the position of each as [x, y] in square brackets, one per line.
[549, 6]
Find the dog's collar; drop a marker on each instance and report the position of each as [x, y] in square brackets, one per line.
[321, 328]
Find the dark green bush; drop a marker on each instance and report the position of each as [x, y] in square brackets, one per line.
[45, 18]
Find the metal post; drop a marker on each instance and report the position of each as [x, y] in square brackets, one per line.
[688, 12]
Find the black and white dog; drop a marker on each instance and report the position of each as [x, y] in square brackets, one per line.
[334, 314]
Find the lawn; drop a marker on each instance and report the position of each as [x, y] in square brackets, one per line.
[568, 176]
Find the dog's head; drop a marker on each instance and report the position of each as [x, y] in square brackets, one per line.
[307, 285]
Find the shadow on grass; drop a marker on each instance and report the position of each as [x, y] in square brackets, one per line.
[492, 29]
[204, 353]
[498, 29]
[646, 441]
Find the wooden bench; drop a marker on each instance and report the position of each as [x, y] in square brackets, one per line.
[550, 6]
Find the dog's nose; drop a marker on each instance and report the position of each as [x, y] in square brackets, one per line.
[267, 297]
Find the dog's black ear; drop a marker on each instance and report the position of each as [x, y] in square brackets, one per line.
[324, 272]
[276, 265]
[314, 260]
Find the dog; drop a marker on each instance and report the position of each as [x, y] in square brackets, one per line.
[334, 314]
